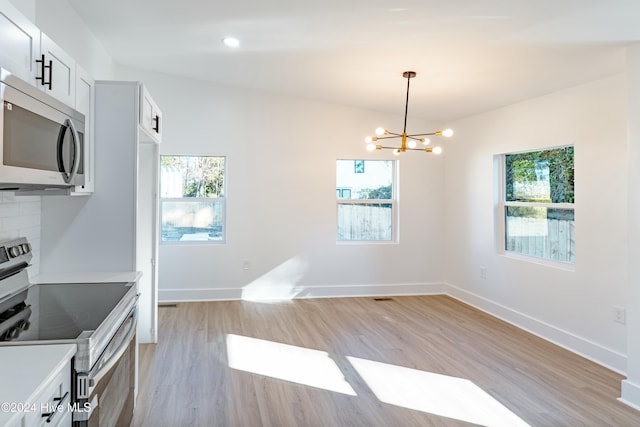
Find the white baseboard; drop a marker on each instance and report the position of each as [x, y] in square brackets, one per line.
[189, 295]
[595, 352]
[281, 293]
[630, 394]
[581, 346]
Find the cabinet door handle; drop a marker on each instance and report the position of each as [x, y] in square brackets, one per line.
[157, 126]
[53, 413]
[43, 67]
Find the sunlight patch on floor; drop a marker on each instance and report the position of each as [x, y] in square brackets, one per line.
[437, 394]
[300, 365]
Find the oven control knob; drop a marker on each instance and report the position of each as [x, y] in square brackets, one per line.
[26, 248]
[13, 333]
[15, 251]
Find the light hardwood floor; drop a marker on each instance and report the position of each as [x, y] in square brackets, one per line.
[408, 361]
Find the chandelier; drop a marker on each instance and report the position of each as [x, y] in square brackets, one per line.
[408, 142]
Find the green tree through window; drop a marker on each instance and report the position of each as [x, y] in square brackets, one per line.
[524, 169]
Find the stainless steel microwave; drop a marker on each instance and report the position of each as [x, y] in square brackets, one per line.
[41, 139]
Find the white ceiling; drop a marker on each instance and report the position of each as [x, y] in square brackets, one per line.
[470, 55]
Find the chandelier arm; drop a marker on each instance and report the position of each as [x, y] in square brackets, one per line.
[428, 150]
[389, 137]
[423, 134]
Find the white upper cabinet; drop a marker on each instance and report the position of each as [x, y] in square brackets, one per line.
[19, 42]
[150, 117]
[85, 91]
[31, 55]
[56, 71]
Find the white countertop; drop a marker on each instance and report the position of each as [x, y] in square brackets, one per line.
[24, 369]
[87, 277]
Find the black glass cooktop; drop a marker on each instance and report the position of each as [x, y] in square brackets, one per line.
[61, 311]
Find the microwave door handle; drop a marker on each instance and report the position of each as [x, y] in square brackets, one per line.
[76, 150]
[68, 176]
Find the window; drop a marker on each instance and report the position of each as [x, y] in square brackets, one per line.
[192, 198]
[538, 204]
[366, 199]
[343, 193]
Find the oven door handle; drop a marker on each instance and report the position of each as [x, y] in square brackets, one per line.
[95, 377]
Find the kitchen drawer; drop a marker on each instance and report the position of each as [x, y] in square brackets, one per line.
[53, 402]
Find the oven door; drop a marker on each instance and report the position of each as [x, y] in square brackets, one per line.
[110, 383]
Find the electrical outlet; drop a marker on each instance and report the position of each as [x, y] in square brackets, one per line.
[246, 265]
[483, 272]
[619, 314]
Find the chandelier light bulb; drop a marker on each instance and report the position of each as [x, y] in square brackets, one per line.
[411, 143]
[447, 132]
[371, 146]
[425, 141]
[380, 131]
[396, 152]
[437, 150]
[368, 140]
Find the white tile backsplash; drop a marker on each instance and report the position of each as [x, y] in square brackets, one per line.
[20, 216]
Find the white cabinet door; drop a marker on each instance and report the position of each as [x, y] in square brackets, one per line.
[19, 42]
[51, 405]
[150, 116]
[56, 71]
[85, 103]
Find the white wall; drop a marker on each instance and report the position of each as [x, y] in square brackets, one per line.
[573, 308]
[281, 211]
[27, 8]
[631, 386]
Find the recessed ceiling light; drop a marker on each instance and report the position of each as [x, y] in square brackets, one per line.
[231, 41]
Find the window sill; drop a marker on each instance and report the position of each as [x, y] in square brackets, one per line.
[540, 261]
[365, 242]
[192, 242]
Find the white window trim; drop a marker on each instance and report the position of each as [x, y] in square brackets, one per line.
[501, 203]
[395, 223]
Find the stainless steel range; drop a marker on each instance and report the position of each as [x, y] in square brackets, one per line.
[100, 318]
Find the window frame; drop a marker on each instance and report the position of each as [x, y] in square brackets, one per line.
[221, 200]
[502, 204]
[393, 201]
